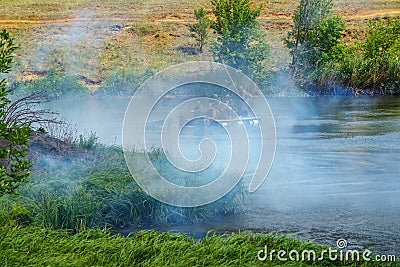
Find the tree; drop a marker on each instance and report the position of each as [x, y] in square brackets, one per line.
[314, 37]
[240, 43]
[199, 29]
[14, 169]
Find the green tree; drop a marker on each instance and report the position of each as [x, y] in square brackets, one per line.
[314, 38]
[199, 29]
[240, 43]
[14, 169]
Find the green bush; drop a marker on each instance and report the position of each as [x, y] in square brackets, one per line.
[371, 66]
[382, 38]
[14, 168]
[51, 86]
[123, 83]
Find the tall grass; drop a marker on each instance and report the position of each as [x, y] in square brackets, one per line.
[33, 246]
[99, 191]
[378, 75]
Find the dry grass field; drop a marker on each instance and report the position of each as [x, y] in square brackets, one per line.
[93, 39]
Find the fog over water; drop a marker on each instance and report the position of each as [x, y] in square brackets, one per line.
[336, 171]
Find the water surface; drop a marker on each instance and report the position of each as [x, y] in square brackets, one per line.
[336, 172]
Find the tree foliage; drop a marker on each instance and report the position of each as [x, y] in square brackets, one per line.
[382, 37]
[240, 43]
[314, 38]
[14, 169]
[373, 65]
[199, 29]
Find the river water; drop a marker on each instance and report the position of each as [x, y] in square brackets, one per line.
[336, 172]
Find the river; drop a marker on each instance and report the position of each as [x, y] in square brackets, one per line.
[336, 172]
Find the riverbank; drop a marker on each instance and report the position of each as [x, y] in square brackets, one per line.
[326, 139]
[34, 246]
[342, 153]
[78, 183]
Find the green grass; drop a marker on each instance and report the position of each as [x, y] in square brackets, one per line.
[95, 189]
[371, 75]
[32, 246]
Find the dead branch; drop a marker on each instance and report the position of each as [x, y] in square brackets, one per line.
[26, 111]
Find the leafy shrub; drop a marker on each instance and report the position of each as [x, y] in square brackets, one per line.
[382, 37]
[14, 169]
[371, 66]
[123, 83]
[51, 86]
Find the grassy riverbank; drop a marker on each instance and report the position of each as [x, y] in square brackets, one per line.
[33, 246]
[84, 184]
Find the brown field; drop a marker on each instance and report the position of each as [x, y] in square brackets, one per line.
[92, 39]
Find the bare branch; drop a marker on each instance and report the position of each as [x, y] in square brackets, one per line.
[26, 111]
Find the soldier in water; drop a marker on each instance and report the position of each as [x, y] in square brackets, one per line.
[212, 114]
